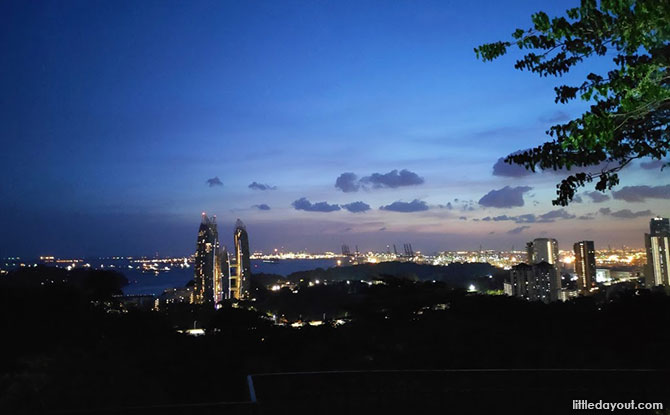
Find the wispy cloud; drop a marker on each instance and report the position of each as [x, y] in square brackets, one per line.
[597, 197]
[642, 193]
[548, 217]
[555, 214]
[558, 116]
[625, 213]
[653, 164]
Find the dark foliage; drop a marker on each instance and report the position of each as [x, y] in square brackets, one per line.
[64, 351]
[630, 113]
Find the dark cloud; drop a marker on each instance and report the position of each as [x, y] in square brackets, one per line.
[505, 198]
[653, 164]
[382, 229]
[597, 197]
[588, 216]
[392, 179]
[347, 182]
[261, 186]
[500, 168]
[214, 181]
[415, 205]
[462, 218]
[306, 205]
[577, 199]
[356, 207]
[625, 213]
[555, 214]
[262, 206]
[642, 193]
[518, 230]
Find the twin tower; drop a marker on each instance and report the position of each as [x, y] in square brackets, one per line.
[213, 278]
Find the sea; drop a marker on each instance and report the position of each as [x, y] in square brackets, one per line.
[142, 282]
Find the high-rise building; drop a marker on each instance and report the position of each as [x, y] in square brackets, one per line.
[658, 226]
[207, 273]
[223, 287]
[535, 282]
[585, 265]
[657, 243]
[543, 249]
[546, 250]
[239, 283]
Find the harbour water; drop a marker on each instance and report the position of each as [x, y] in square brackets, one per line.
[142, 282]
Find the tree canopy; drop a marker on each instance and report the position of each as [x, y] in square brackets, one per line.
[629, 114]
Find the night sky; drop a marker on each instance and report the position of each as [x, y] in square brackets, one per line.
[316, 122]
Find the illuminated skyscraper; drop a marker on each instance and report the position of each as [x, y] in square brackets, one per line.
[239, 283]
[222, 288]
[207, 273]
[585, 265]
[546, 250]
[657, 243]
[543, 249]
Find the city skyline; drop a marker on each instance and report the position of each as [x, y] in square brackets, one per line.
[334, 206]
[358, 125]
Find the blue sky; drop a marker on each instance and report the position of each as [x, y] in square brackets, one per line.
[115, 114]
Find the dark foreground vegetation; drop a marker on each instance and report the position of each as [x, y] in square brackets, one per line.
[69, 348]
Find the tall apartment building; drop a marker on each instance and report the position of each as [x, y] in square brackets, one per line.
[585, 265]
[657, 243]
[535, 282]
[207, 273]
[239, 282]
[546, 250]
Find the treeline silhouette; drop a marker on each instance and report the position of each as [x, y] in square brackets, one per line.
[456, 274]
[68, 346]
